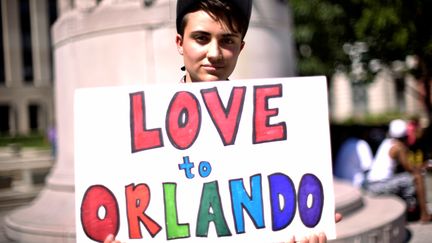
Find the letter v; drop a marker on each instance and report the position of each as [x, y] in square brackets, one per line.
[227, 119]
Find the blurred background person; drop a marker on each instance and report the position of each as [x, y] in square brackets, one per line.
[392, 173]
[354, 158]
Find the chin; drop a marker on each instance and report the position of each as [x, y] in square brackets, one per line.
[210, 78]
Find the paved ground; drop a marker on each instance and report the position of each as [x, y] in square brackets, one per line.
[423, 232]
[420, 233]
[3, 213]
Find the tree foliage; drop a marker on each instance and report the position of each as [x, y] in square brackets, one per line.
[319, 29]
[391, 29]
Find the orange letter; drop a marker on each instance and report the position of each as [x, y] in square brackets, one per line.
[137, 201]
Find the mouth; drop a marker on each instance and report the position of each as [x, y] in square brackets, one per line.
[212, 67]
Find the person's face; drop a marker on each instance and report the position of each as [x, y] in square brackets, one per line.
[210, 50]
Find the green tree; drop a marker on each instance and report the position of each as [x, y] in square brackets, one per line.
[391, 29]
[318, 32]
[395, 29]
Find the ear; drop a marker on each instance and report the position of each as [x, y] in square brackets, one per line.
[179, 43]
[242, 45]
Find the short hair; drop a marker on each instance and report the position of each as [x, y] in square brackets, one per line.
[235, 14]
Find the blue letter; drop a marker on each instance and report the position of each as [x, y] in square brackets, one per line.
[281, 185]
[253, 205]
[204, 169]
[310, 185]
[187, 167]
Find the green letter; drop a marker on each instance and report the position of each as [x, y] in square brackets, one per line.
[173, 228]
[211, 210]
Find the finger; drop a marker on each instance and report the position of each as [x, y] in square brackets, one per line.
[313, 238]
[322, 237]
[109, 239]
[304, 240]
[338, 217]
[292, 240]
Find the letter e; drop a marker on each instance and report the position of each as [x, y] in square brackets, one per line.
[262, 130]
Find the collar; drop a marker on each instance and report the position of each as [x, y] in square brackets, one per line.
[183, 79]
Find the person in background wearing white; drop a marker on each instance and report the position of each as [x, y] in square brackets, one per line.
[384, 179]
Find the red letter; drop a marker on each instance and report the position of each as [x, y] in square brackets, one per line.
[96, 228]
[227, 119]
[262, 130]
[137, 201]
[183, 120]
[141, 138]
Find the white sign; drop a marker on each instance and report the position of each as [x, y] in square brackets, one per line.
[228, 161]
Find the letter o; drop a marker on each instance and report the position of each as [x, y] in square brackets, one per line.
[310, 185]
[183, 120]
[95, 228]
[204, 169]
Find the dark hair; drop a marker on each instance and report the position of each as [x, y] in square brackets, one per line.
[221, 11]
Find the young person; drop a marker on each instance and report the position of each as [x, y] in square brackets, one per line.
[210, 37]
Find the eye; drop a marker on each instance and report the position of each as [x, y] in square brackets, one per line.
[228, 41]
[201, 38]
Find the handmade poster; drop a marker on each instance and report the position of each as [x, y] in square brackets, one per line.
[237, 161]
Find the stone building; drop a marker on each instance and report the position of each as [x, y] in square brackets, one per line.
[26, 80]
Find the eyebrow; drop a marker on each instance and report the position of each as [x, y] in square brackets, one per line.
[223, 35]
[199, 32]
[232, 35]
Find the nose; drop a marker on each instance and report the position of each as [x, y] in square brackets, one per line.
[214, 52]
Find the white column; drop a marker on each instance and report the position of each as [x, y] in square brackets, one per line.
[40, 42]
[382, 94]
[12, 43]
[12, 120]
[271, 23]
[342, 103]
[412, 104]
[22, 116]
